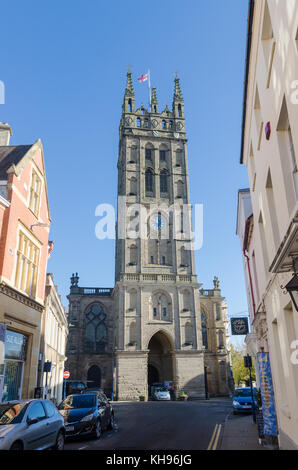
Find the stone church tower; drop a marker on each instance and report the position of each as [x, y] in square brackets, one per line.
[156, 325]
[158, 328]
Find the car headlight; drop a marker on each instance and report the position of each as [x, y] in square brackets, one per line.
[87, 418]
[236, 403]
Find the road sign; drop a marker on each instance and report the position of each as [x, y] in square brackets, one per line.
[66, 374]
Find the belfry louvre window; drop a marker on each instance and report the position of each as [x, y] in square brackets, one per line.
[149, 180]
[27, 265]
[164, 182]
[35, 191]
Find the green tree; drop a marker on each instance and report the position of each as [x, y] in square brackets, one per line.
[240, 372]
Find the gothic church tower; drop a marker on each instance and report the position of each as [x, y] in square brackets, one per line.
[158, 334]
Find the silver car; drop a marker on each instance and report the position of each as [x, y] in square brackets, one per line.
[31, 425]
[162, 394]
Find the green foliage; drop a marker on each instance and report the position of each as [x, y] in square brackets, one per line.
[240, 372]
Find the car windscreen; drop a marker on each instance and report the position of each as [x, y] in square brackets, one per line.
[12, 414]
[243, 393]
[161, 390]
[78, 401]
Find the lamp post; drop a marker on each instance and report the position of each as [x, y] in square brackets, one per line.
[292, 286]
[248, 365]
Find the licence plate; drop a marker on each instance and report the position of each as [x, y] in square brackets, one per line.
[246, 407]
[69, 428]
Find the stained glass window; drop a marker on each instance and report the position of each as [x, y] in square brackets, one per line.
[96, 332]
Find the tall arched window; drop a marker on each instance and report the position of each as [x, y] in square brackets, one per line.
[164, 181]
[96, 331]
[188, 333]
[133, 259]
[138, 122]
[180, 189]
[220, 339]
[133, 187]
[129, 105]
[204, 323]
[179, 110]
[149, 180]
[132, 333]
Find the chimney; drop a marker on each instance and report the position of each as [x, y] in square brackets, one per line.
[5, 133]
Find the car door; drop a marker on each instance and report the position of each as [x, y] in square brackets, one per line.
[35, 434]
[103, 409]
[53, 422]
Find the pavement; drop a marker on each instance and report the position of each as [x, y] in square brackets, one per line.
[239, 432]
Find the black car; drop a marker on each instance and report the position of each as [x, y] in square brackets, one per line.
[74, 386]
[85, 414]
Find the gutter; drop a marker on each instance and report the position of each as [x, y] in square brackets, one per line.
[251, 9]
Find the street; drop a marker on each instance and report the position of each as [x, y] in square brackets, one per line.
[161, 425]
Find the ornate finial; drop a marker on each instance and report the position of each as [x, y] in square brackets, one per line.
[128, 68]
[216, 282]
[177, 91]
[154, 97]
[129, 91]
[176, 74]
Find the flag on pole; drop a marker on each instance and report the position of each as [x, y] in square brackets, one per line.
[143, 78]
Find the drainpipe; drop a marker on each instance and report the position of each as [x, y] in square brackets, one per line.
[250, 281]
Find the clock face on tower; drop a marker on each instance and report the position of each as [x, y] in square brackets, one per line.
[157, 221]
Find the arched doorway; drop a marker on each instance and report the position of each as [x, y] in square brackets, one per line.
[160, 360]
[153, 375]
[94, 377]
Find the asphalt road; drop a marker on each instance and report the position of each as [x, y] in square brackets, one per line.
[160, 426]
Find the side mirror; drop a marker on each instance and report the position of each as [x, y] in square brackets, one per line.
[102, 403]
[32, 421]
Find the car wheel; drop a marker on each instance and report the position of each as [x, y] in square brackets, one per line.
[97, 429]
[60, 441]
[16, 446]
[112, 422]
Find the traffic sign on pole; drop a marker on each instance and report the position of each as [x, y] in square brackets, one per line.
[66, 374]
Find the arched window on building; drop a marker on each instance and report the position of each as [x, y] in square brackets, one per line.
[138, 122]
[129, 105]
[180, 189]
[96, 331]
[132, 333]
[132, 301]
[220, 339]
[149, 181]
[133, 255]
[204, 323]
[133, 187]
[164, 181]
[217, 311]
[188, 332]
[179, 110]
[186, 300]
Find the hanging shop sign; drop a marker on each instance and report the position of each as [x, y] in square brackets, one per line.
[239, 326]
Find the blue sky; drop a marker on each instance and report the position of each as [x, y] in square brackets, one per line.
[64, 68]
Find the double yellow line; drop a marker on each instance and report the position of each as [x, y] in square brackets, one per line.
[215, 437]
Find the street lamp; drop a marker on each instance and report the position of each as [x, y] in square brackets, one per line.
[40, 224]
[292, 289]
[292, 286]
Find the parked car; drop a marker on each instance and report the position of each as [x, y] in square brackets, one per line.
[86, 413]
[74, 386]
[154, 387]
[161, 393]
[242, 401]
[31, 425]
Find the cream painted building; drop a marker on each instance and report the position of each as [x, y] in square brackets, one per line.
[270, 151]
[53, 342]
